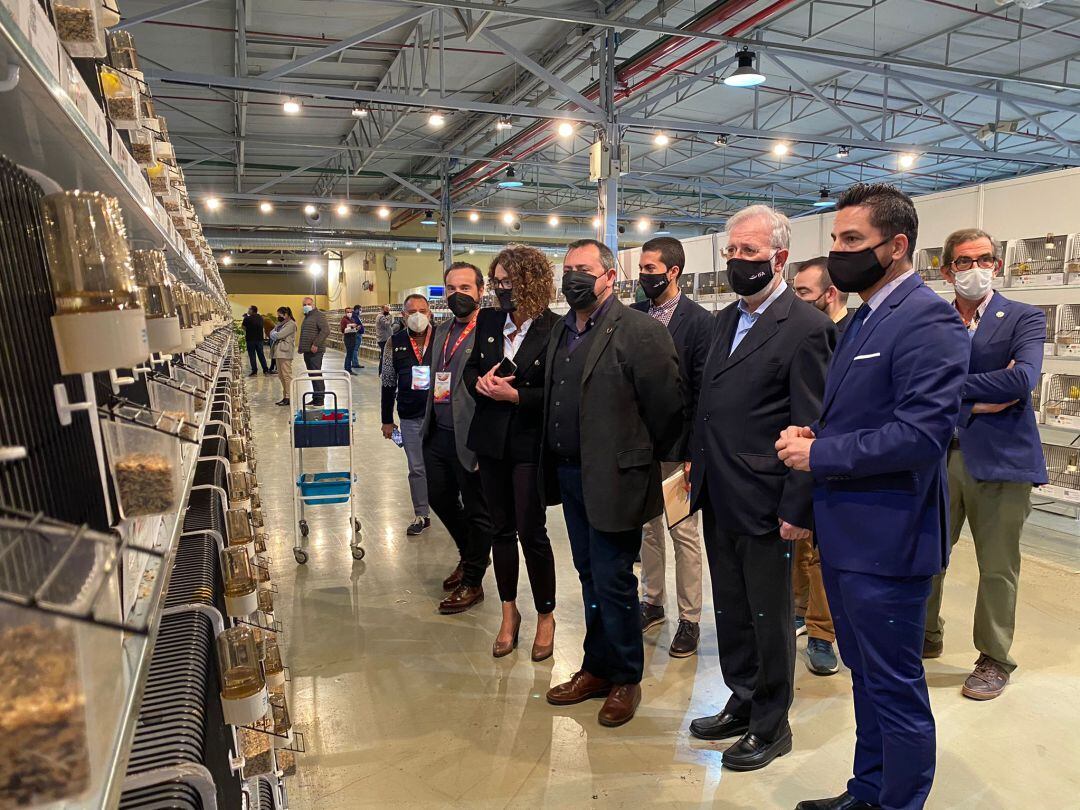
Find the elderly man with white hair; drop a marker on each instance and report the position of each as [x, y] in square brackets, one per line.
[766, 367]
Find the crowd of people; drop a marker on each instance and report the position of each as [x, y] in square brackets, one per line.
[830, 457]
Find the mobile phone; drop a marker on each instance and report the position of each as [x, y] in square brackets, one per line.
[507, 368]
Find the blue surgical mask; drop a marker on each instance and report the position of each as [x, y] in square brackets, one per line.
[307, 308]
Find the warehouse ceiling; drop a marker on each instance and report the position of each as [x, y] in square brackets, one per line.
[929, 94]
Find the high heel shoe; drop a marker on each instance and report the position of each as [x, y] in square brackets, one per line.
[499, 649]
[545, 651]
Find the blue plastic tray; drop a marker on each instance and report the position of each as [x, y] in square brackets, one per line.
[314, 487]
[322, 432]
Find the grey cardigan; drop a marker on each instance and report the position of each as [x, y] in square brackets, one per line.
[283, 340]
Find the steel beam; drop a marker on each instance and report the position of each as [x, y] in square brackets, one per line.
[156, 14]
[401, 181]
[817, 94]
[944, 116]
[676, 88]
[344, 44]
[1051, 133]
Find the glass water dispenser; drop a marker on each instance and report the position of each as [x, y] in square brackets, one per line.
[162, 324]
[244, 699]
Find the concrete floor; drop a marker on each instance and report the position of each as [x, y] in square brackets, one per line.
[402, 707]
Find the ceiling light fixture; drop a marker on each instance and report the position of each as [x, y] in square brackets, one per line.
[265, 207]
[419, 249]
[429, 218]
[566, 129]
[436, 119]
[509, 217]
[824, 200]
[342, 210]
[359, 111]
[721, 140]
[505, 122]
[662, 229]
[310, 210]
[471, 251]
[269, 261]
[226, 260]
[780, 148]
[596, 222]
[349, 243]
[291, 106]
[510, 180]
[745, 75]
[553, 221]
[906, 160]
[643, 224]
[843, 152]
[213, 203]
[474, 216]
[661, 139]
[383, 212]
[315, 269]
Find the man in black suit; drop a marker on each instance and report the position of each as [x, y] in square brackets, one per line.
[691, 328]
[768, 361]
[813, 284]
[612, 412]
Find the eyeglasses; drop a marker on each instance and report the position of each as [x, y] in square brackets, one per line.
[962, 263]
[732, 251]
[502, 284]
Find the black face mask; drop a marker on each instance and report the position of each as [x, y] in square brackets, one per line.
[653, 284]
[577, 286]
[280, 318]
[856, 270]
[506, 303]
[461, 305]
[748, 277]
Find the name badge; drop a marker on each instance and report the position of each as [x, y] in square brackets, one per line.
[442, 386]
[421, 378]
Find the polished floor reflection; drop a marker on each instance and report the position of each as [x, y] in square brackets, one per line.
[402, 707]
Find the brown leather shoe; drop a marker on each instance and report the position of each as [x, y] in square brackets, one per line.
[987, 681]
[582, 686]
[620, 705]
[451, 582]
[463, 598]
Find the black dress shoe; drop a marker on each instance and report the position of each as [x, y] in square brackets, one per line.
[845, 801]
[718, 727]
[751, 752]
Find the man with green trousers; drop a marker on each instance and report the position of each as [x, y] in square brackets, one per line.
[995, 456]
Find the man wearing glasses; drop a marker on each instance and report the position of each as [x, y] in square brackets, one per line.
[767, 366]
[995, 456]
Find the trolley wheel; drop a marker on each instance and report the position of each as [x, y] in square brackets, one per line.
[358, 552]
[300, 555]
[304, 529]
[356, 525]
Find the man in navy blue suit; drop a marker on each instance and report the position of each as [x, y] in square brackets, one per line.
[877, 455]
[996, 455]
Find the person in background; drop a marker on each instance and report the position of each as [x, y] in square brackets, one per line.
[691, 328]
[812, 617]
[406, 377]
[612, 411]
[814, 285]
[505, 374]
[766, 368]
[253, 336]
[314, 332]
[351, 331]
[384, 328]
[283, 349]
[269, 324]
[453, 479]
[995, 456]
[877, 454]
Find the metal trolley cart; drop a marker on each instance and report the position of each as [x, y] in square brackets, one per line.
[324, 428]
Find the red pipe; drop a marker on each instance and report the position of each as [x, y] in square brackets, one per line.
[646, 60]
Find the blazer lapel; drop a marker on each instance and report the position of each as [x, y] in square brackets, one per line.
[725, 330]
[678, 317]
[600, 340]
[536, 339]
[989, 322]
[762, 331]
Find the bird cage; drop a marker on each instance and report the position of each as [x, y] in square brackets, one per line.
[1063, 400]
[1067, 333]
[1063, 472]
[1072, 259]
[1050, 344]
[1038, 398]
[707, 286]
[688, 284]
[928, 265]
[1036, 262]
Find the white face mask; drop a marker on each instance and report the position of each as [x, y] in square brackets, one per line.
[417, 322]
[975, 283]
[307, 308]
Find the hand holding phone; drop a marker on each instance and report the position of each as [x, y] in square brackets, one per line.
[507, 368]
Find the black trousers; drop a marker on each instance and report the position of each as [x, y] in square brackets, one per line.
[255, 349]
[755, 631]
[313, 362]
[457, 498]
[512, 493]
[605, 564]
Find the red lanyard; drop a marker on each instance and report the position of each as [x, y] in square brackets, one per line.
[464, 334]
[417, 351]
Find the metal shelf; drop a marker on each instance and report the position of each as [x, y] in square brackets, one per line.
[45, 131]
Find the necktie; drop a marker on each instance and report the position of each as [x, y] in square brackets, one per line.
[861, 314]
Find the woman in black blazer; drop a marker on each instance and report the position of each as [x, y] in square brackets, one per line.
[506, 431]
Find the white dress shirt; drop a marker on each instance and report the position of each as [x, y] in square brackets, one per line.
[878, 298]
[512, 344]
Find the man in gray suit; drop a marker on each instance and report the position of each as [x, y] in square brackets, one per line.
[452, 474]
[613, 409]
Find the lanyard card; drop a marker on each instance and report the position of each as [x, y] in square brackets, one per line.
[421, 378]
[442, 386]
